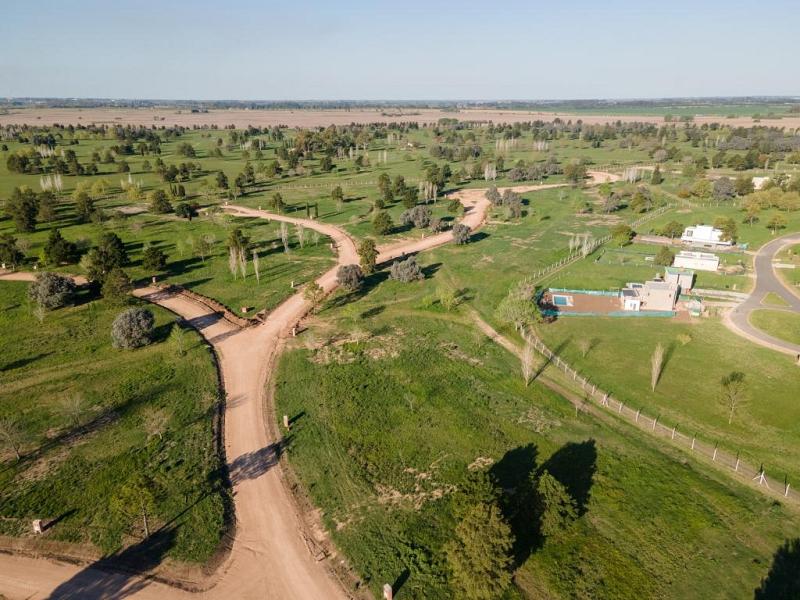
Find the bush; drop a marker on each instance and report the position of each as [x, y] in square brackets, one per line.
[438, 225]
[419, 216]
[664, 257]
[621, 235]
[406, 270]
[133, 328]
[350, 277]
[51, 291]
[159, 203]
[461, 234]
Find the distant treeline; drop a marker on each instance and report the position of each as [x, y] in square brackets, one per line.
[563, 104]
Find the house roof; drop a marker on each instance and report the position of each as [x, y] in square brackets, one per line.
[679, 271]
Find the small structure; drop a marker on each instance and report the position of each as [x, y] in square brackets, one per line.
[759, 182]
[37, 526]
[630, 300]
[699, 261]
[651, 295]
[683, 278]
[704, 235]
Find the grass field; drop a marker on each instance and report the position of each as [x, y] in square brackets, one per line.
[82, 408]
[781, 324]
[393, 400]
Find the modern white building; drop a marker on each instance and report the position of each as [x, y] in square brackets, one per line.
[650, 295]
[699, 261]
[704, 235]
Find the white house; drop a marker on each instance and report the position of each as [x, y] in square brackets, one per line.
[650, 295]
[704, 235]
[699, 261]
[683, 278]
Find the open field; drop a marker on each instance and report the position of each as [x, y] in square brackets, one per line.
[241, 118]
[91, 419]
[394, 399]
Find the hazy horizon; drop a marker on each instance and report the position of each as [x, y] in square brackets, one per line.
[249, 50]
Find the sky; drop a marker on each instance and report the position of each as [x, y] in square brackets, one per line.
[403, 50]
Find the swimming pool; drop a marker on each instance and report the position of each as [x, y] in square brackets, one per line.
[562, 300]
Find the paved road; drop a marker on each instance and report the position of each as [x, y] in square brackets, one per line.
[738, 319]
[273, 554]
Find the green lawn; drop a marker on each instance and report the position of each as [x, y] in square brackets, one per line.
[393, 399]
[81, 408]
[781, 324]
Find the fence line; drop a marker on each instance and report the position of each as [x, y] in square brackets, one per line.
[603, 399]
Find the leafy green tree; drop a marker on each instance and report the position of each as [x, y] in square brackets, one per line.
[314, 294]
[154, 259]
[276, 202]
[744, 185]
[222, 181]
[47, 207]
[58, 250]
[728, 228]
[10, 255]
[382, 223]
[117, 286]
[479, 555]
[410, 197]
[186, 210]
[337, 195]
[23, 207]
[461, 234]
[657, 178]
[136, 499]
[407, 270]
[553, 505]
[84, 207]
[622, 235]
[575, 172]
[368, 254]
[159, 202]
[723, 189]
[672, 230]
[776, 222]
[519, 308]
[664, 257]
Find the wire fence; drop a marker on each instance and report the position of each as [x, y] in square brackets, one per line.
[744, 471]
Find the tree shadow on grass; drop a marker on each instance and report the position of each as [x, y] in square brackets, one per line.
[574, 466]
[783, 580]
[22, 362]
[119, 575]
[547, 361]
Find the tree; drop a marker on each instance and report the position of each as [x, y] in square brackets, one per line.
[58, 250]
[776, 222]
[84, 207]
[132, 328]
[11, 435]
[461, 234]
[186, 210]
[723, 189]
[136, 498]
[222, 180]
[664, 256]
[656, 364]
[10, 255]
[314, 294]
[419, 216]
[728, 228]
[276, 202]
[702, 189]
[527, 359]
[519, 307]
[672, 230]
[733, 391]
[350, 277]
[47, 207]
[337, 195]
[382, 223]
[744, 185]
[22, 207]
[448, 297]
[657, 178]
[575, 172]
[368, 254]
[154, 420]
[407, 270]
[159, 203]
[479, 555]
[117, 286]
[51, 291]
[154, 259]
[622, 235]
[553, 505]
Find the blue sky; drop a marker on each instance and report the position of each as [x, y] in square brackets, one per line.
[404, 49]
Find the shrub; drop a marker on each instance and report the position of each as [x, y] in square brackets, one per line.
[159, 203]
[664, 257]
[621, 235]
[461, 234]
[350, 277]
[133, 328]
[419, 216]
[406, 270]
[154, 259]
[723, 189]
[51, 291]
[438, 225]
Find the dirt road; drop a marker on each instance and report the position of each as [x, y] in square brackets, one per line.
[273, 555]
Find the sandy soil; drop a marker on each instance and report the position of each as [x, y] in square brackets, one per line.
[313, 118]
[274, 555]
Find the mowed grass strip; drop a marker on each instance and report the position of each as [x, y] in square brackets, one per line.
[782, 324]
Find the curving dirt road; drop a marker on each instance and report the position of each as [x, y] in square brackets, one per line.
[767, 281]
[273, 555]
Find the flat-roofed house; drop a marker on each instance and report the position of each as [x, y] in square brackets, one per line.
[704, 235]
[699, 261]
[658, 295]
[683, 278]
